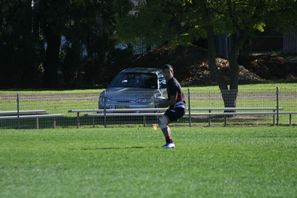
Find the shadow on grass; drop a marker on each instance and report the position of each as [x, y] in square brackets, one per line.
[118, 148]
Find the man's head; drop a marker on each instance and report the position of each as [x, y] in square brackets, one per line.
[168, 71]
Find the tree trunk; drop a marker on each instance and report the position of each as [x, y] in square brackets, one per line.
[51, 63]
[228, 84]
[28, 61]
[229, 96]
[229, 92]
[212, 58]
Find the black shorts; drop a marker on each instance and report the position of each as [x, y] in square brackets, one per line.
[175, 113]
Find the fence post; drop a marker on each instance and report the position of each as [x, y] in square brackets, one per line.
[189, 108]
[18, 109]
[77, 120]
[277, 106]
[104, 111]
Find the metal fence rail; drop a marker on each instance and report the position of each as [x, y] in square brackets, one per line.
[57, 106]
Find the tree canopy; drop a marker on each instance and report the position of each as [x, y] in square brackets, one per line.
[178, 22]
[49, 43]
[66, 43]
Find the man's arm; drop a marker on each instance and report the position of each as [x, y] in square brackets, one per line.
[171, 101]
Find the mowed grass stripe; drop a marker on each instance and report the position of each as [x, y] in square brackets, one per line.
[128, 162]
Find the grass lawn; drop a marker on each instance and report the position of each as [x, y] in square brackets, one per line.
[246, 87]
[128, 162]
[60, 101]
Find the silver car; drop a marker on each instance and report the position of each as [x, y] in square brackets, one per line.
[135, 88]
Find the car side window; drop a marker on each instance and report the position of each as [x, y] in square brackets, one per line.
[139, 80]
[149, 81]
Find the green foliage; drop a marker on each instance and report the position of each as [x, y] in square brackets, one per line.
[18, 59]
[30, 35]
[260, 26]
[182, 21]
[129, 162]
[148, 22]
[30, 42]
[282, 15]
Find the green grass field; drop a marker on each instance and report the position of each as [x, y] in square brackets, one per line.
[61, 101]
[252, 87]
[129, 162]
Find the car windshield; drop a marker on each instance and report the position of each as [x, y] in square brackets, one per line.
[135, 80]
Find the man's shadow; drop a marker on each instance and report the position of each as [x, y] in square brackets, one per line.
[117, 148]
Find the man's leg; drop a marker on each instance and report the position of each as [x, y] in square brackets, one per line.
[163, 123]
[167, 134]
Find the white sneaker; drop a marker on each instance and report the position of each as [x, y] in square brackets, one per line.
[168, 146]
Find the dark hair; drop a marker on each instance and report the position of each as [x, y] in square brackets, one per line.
[168, 66]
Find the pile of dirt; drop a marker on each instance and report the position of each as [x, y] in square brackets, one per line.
[190, 64]
[184, 59]
[271, 67]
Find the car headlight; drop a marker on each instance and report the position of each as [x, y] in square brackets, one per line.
[102, 97]
[106, 99]
[157, 95]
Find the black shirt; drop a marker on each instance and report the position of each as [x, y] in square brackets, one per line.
[174, 89]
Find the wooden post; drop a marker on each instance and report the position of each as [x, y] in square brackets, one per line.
[144, 121]
[104, 112]
[18, 109]
[37, 123]
[209, 112]
[189, 108]
[277, 106]
[77, 120]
